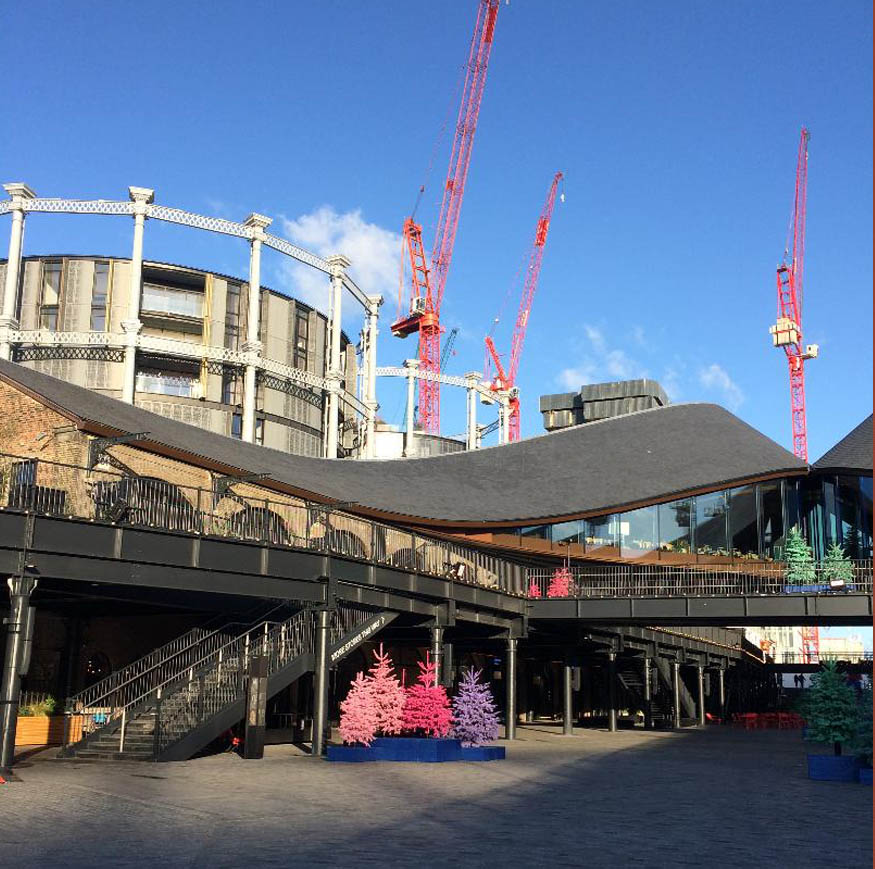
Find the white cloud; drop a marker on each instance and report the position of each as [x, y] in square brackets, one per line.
[715, 379]
[600, 362]
[373, 251]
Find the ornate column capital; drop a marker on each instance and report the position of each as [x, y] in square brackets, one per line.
[257, 224]
[18, 192]
[338, 263]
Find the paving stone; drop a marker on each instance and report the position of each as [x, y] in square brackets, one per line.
[716, 797]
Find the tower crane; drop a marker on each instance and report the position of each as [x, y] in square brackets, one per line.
[427, 284]
[787, 331]
[506, 380]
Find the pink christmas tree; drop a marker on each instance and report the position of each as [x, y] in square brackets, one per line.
[387, 693]
[427, 707]
[358, 713]
[474, 711]
[534, 589]
[560, 584]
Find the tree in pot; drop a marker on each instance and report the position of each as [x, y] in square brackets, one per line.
[832, 717]
[800, 562]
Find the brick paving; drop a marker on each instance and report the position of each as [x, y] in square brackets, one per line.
[713, 798]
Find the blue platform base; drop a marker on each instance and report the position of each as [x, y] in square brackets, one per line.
[818, 588]
[409, 749]
[865, 775]
[830, 767]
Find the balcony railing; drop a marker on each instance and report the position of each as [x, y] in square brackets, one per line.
[242, 511]
[654, 580]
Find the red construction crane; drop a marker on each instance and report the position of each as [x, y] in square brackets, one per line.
[507, 380]
[787, 331]
[427, 285]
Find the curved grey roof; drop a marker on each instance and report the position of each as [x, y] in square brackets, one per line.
[588, 469]
[852, 453]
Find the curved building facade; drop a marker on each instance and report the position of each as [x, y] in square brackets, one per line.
[194, 324]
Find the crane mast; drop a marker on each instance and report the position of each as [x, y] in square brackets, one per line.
[428, 284]
[507, 380]
[787, 331]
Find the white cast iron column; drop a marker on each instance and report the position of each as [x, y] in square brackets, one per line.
[18, 193]
[471, 380]
[337, 264]
[374, 303]
[141, 197]
[411, 365]
[256, 223]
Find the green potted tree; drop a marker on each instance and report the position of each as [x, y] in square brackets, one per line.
[863, 744]
[832, 718]
[838, 570]
[800, 572]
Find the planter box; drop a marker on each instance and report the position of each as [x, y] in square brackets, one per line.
[39, 730]
[412, 750]
[829, 767]
[866, 775]
[819, 588]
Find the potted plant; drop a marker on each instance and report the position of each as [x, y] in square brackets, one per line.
[863, 744]
[832, 717]
[37, 723]
[800, 573]
[838, 570]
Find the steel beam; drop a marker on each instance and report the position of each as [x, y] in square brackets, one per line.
[320, 683]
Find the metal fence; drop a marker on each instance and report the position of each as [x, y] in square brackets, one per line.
[654, 580]
[242, 511]
[825, 657]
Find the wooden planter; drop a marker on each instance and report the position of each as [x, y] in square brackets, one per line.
[45, 729]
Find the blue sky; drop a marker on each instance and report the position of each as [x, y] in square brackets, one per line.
[676, 126]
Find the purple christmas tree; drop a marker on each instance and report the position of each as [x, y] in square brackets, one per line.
[474, 711]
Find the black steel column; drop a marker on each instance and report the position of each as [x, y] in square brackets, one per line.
[568, 700]
[648, 695]
[18, 626]
[437, 651]
[510, 676]
[612, 692]
[700, 679]
[256, 708]
[320, 684]
[676, 692]
[721, 694]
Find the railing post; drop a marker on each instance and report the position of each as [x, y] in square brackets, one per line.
[121, 737]
[648, 695]
[676, 693]
[156, 733]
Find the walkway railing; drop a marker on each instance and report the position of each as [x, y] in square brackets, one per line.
[824, 657]
[243, 511]
[655, 580]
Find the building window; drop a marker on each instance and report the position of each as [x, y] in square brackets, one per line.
[711, 524]
[168, 383]
[566, 533]
[230, 386]
[302, 339]
[601, 535]
[538, 532]
[98, 296]
[169, 300]
[674, 527]
[743, 522]
[51, 294]
[772, 520]
[237, 425]
[638, 535]
[259, 432]
[232, 316]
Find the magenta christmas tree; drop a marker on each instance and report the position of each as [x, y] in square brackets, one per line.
[427, 708]
[560, 584]
[358, 713]
[387, 694]
[476, 719]
[534, 589]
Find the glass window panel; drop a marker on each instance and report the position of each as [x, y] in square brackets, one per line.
[638, 534]
[849, 515]
[49, 317]
[540, 532]
[164, 383]
[772, 519]
[711, 524]
[602, 535]
[743, 522]
[674, 526]
[866, 517]
[51, 283]
[169, 300]
[568, 532]
[236, 426]
[99, 287]
[811, 513]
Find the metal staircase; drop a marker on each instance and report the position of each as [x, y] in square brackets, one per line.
[180, 715]
[688, 704]
[630, 675]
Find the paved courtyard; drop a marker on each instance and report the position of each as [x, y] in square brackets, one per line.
[718, 797]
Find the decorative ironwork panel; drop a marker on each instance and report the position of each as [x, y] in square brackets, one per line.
[35, 354]
[296, 252]
[189, 349]
[46, 338]
[289, 387]
[354, 288]
[5, 206]
[198, 221]
[448, 379]
[296, 374]
[79, 206]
